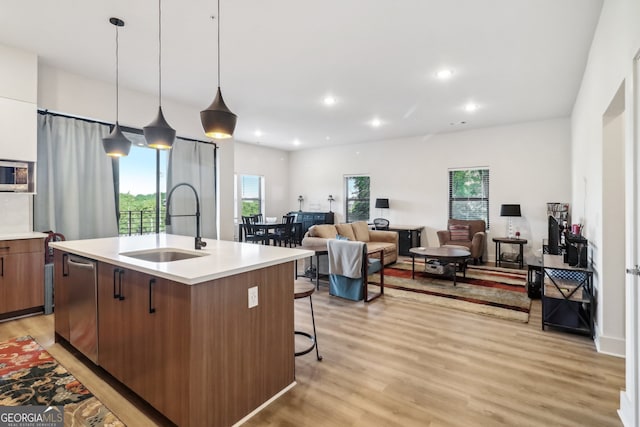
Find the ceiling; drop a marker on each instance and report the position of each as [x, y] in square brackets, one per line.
[516, 60]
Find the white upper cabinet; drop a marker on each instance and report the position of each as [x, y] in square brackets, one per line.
[18, 104]
[18, 130]
[18, 75]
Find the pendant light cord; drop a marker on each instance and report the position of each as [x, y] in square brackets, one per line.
[117, 79]
[218, 43]
[159, 53]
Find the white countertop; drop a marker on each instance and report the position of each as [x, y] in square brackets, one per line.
[25, 235]
[223, 258]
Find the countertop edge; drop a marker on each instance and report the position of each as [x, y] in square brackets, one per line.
[23, 236]
[152, 270]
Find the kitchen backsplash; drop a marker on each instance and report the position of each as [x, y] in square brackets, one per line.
[15, 213]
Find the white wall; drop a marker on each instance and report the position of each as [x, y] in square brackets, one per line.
[76, 95]
[610, 66]
[529, 164]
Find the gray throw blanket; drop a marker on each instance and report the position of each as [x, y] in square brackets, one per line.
[345, 258]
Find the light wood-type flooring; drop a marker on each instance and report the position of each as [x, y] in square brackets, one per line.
[397, 362]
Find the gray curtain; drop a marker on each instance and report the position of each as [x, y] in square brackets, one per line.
[193, 163]
[75, 192]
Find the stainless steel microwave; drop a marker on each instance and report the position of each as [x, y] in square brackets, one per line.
[14, 176]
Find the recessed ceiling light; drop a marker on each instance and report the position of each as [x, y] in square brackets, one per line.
[376, 123]
[329, 100]
[327, 138]
[470, 107]
[296, 142]
[444, 74]
[258, 133]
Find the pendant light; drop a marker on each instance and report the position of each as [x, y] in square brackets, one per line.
[116, 144]
[158, 133]
[217, 120]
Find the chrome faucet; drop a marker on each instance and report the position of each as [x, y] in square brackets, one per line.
[199, 243]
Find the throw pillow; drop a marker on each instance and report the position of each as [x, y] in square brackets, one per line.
[361, 230]
[459, 232]
[339, 237]
[346, 231]
[326, 231]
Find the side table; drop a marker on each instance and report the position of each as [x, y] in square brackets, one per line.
[500, 240]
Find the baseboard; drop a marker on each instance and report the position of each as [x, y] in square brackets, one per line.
[626, 411]
[611, 346]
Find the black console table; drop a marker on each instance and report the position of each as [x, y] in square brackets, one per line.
[408, 237]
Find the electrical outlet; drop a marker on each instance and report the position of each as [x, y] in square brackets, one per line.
[253, 297]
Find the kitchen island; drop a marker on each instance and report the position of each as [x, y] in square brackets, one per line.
[206, 337]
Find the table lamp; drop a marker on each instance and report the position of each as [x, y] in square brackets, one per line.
[510, 211]
[382, 204]
[330, 200]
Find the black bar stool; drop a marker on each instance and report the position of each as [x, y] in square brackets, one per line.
[303, 290]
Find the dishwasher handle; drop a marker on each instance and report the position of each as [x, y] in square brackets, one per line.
[89, 266]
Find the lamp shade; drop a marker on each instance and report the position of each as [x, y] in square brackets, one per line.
[158, 133]
[217, 120]
[510, 210]
[382, 203]
[116, 144]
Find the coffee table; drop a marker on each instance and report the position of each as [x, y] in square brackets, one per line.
[443, 254]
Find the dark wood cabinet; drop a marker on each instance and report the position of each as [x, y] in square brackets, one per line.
[143, 333]
[196, 353]
[409, 236]
[307, 219]
[61, 295]
[21, 276]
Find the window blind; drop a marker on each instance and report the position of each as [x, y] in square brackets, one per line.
[469, 194]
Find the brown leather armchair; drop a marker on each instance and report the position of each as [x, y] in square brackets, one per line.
[475, 240]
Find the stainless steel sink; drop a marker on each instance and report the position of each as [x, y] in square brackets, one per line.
[163, 254]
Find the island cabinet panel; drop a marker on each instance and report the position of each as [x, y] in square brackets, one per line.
[61, 285]
[21, 275]
[197, 353]
[142, 339]
[240, 356]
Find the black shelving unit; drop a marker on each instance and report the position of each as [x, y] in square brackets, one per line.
[567, 296]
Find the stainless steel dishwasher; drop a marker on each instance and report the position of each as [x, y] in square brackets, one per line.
[83, 305]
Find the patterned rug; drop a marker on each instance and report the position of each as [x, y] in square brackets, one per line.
[29, 375]
[497, 292]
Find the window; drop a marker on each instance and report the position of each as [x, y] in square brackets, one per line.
[137, 192]
[469, 194]
[357, 200]
[251, 195]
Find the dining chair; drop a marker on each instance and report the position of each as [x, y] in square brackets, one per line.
[284, 232]
[251, 232]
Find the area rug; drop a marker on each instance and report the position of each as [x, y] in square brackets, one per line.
[498, 292]
[29, 375]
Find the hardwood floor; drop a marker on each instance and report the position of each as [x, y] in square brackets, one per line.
[397, 362]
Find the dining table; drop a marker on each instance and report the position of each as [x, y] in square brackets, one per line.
[268, 227]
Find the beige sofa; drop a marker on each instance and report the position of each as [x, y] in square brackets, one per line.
[316, 238]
